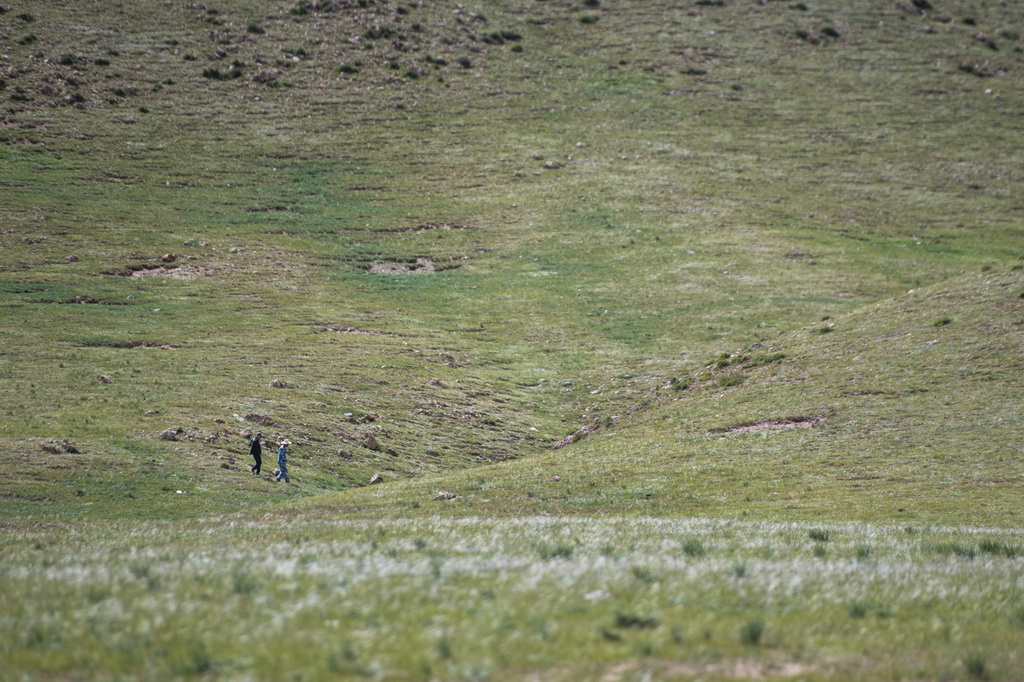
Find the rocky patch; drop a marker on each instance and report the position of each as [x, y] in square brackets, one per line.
[576, 436]
[56, 447]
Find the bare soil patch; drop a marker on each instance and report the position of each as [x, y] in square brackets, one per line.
[130, 344]
[772, 425]
[422, 227]
[412, 266]
[163, 270]
[89, 300]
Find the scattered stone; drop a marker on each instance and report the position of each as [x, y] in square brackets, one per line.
[72, 259]
[909, 8]
[985, 38]
[170, 434]
[169, 258]
[552, 165]
[104, 379]
[437, 382]
[370, 443]
[277, 383]
[557, 479]
[444, 495]
[377, 478]
[266, 76]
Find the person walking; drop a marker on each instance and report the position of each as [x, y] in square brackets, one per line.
[257, 453]
[282, 461]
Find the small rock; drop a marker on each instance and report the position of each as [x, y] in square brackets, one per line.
[277, 383]
[170, 434]
[557, 479]
[104, 379]
[552, 165]
[169, 258]
[377, 478]
[436, 382]
[444, 495]
[72, 259]
[266, 76]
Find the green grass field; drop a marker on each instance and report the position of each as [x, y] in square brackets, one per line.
[708, 317]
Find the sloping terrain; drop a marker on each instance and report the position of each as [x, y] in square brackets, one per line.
[686, 338]
[477, 226]
[907, 411]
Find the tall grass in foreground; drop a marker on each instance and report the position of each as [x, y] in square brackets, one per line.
[477, 598]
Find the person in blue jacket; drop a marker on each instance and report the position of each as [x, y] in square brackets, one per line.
[256, 451]
[282, 461]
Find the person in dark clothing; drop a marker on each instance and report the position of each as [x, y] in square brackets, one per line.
[256, 451]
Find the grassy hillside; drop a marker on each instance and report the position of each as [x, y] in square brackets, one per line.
[754, 268]
[907, 411]
[391, 241]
